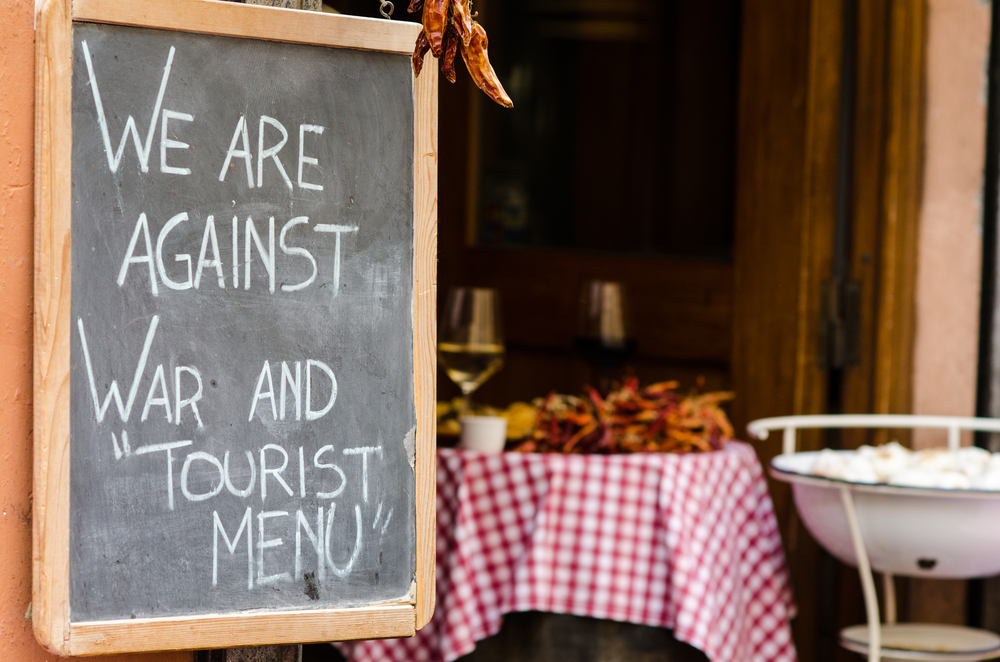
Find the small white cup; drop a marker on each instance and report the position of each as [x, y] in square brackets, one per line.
[486, 434]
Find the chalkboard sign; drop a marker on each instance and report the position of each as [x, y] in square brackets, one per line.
[234, 328]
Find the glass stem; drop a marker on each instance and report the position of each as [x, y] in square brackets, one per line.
[467, 402]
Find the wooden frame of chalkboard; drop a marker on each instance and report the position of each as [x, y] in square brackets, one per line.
[72, 621]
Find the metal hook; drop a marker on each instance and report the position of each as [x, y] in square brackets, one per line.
[387, 13]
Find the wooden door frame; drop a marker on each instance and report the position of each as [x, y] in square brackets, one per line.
[787, 140]
[790, 82]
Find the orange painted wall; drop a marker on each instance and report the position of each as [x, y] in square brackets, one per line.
[16, 264]
[949, 261]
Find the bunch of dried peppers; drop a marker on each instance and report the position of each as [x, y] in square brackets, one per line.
[450, 28]
[655, 419]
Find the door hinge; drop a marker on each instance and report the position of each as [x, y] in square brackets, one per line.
[839, 324]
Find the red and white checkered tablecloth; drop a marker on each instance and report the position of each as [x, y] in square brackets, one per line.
[687, 542]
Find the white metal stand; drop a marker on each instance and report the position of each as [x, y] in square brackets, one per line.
[890, 640]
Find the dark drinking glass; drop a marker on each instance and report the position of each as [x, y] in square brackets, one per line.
[603, 333]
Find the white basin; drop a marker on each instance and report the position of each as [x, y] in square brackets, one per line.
[918, 532]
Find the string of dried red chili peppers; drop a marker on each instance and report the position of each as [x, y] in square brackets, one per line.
[450, 28]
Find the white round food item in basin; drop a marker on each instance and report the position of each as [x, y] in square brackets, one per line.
[973, 461]
[888, 460]
[987, 481]
[966, 468]
[915, 531]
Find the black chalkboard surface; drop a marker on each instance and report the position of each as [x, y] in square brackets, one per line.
[243, 334]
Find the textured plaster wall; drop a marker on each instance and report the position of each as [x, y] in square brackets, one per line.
[16, 72]
[950, 245]
[16, 244]
[950, 240]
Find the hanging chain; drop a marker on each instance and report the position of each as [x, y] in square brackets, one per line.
[386, 9]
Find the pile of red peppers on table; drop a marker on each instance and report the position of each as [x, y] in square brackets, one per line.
[654, 419]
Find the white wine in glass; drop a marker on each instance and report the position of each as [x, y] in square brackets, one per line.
[470, 339]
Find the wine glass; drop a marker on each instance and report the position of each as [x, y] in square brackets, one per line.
[470, 340]
[603, 333]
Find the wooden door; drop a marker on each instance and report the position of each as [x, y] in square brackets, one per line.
[753, 322]
[792, 139]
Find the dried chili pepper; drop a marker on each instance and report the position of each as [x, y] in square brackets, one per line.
[419, 51]
[477, 61]
[451, 41]
[461, 19]
[435, 19]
